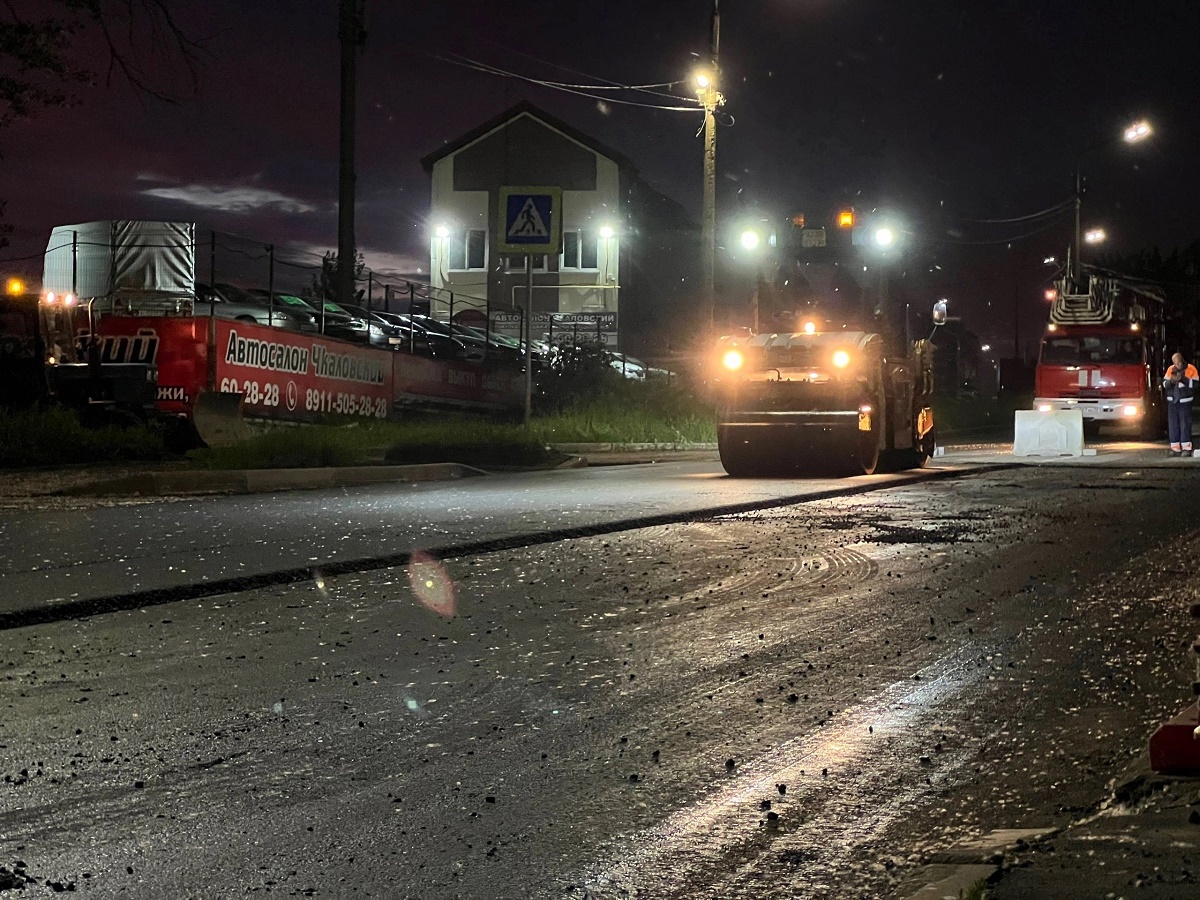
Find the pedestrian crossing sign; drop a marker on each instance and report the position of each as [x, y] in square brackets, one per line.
[530, 220]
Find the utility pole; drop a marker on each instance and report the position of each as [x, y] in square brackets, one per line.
[351, 35]
[1073, 268]
[1017, 320]
[710, 99]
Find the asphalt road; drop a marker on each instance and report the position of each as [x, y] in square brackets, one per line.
[89, 549]
[793, 702]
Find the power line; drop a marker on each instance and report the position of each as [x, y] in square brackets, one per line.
[615, 84]
[468, 63]
[1008, 240]
[1052, 210]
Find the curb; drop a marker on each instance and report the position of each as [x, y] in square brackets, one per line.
[255, 481]
[583, 449]
[954, 871]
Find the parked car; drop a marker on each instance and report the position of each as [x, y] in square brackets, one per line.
[383, 332]
[227, 301]
[421, 340]
[632, 367]
[628, 366]
[332, 319]
[509, 348]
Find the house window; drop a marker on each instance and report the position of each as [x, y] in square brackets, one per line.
[517, 263]
[579, 250]
[466, 250]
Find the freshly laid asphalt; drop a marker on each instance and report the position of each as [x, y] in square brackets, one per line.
[73, 552]
[805, 701]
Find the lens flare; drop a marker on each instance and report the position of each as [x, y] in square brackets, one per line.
[432, 584]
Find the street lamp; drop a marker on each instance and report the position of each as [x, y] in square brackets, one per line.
[606, 232]
[442, 232]
[1094, 236]
[1134, 133]
[1138, 131]
[885, 237]
[751, 240]
[14, 286]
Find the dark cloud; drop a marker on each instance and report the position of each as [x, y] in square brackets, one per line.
[936, 107]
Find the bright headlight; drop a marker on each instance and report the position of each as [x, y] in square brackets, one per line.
[733, 360]
[841, 359]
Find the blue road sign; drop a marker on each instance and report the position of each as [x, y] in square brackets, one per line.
[530, 219]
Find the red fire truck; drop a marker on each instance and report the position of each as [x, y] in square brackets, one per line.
[1104, 352]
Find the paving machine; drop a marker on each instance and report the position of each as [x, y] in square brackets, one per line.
[834, 385]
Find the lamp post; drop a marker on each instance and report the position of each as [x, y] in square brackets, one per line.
[883, 236]
[438, 269]
[1134, 133]
[607, 235]
[751, 242]
[710, 98]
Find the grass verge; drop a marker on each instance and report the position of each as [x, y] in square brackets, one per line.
[640, 414]
[55, 436]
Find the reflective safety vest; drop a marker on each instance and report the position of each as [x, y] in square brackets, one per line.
[1183, 390]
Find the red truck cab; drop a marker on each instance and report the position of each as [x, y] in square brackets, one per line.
[1101, 370]
[1101, 354]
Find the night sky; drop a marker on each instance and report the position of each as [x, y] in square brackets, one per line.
[943, 110]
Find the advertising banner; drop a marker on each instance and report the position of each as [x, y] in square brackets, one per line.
[176, 346]
[298, 376]
[416, 378]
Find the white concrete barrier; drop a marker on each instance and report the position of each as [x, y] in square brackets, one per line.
[1055, 433]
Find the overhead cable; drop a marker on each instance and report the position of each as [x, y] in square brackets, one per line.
[1052, 210]
[467, 63]
[645, 88]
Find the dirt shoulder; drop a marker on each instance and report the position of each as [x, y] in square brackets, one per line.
[1101, 663]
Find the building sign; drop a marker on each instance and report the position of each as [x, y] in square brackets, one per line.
[563, 328]
[530, 220]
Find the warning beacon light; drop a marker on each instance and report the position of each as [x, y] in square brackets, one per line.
[845, 218]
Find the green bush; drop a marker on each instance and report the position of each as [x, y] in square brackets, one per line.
[629, 411]
[625, 412]
[55, 436]
[576, 373]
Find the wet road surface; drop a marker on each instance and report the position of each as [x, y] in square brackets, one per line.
[95, 549]
[792, 702]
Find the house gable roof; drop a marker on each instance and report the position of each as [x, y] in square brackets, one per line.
[525, 108]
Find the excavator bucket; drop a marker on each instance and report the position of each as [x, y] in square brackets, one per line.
[218, 420]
